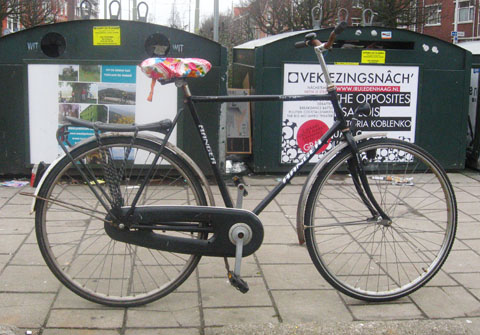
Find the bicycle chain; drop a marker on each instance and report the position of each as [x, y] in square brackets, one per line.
[113, 175]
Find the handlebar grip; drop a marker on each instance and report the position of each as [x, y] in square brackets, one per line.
[300, 44]
[340, 28]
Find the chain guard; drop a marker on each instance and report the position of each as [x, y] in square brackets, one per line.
[218, 218]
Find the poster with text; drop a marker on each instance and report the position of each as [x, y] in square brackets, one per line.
[96, 93]
[391, 92]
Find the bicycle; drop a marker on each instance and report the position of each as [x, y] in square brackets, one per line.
[123, 218]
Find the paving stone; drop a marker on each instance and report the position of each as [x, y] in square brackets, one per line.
[214, 267]
[24, 310]
[311, 306]
[173, 310]
[468, 230]
[10, 243]
[465, 217]
[462, 196]
[86, 318]
[9, 192]
[474, 244]
[470, 208]
[474, 189]
[67, 299]
[459, 244]
[458, 178]
[16, 226]
[28, 254]
[349, 301]
[254, 193]
[462, 261]
[15, 211]
[475, 292]
[33, 279]
[286, 254]
[279, 235]
[274, 219]
[3, 260]
[386, 311]
[290, 211]
[469, 280]
[243, 315]
[19, 199]
[78, 331]
[219, 293]
[446, 302]
[287, 199]
[441, 279]
[163, 331]
[294, 277]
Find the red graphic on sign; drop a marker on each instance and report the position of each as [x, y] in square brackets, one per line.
[309, 133]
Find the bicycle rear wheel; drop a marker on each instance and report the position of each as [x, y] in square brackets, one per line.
[370, 259]
[70, 221]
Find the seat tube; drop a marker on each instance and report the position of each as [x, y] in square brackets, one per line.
[206, 146]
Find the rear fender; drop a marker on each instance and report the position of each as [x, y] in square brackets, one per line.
[196, 169]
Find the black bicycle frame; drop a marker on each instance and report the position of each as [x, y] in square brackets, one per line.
[339, 125]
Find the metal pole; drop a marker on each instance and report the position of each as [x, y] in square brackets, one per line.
[215, 20]
[197, 16]
[134, 10]
[455, 23]
[105, 9]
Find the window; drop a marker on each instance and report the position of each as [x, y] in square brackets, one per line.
[12, 24]
[433, 14]
[465, 10]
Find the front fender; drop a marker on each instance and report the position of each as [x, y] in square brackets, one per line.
[307, 186]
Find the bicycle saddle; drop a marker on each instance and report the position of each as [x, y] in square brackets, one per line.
[171, 68]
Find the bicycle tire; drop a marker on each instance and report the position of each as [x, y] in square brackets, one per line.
[73, 241]
[378, 261]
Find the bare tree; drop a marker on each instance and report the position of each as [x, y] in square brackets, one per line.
[8, 8]
[277, 16]
[399, 13]
[36, 12]
[231, 30]
[174, 21]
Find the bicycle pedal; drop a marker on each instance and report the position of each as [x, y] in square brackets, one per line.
[238, 282]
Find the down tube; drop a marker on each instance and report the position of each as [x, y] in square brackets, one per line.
[289, 176]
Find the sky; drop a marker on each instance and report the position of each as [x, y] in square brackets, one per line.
[160, 10]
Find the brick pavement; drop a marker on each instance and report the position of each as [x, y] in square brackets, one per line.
[285, 287]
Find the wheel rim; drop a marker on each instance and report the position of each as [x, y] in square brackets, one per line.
[371, 260]
[87, 261]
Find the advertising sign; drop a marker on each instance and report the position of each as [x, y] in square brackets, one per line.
[104, 93]
[390, 90]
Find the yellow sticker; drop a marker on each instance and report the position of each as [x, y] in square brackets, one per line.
[106, 35]
[347, 63]
[373, 56]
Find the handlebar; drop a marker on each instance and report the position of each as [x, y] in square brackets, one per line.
[311, 38]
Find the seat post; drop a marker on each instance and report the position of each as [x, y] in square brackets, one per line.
[184, 85]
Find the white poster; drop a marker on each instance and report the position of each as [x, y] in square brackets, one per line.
[105, 93]
[391, 91]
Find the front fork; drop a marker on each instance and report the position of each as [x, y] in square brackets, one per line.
[360, 181]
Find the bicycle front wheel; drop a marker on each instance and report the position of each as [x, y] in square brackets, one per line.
[380, 260]
[70, 221]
